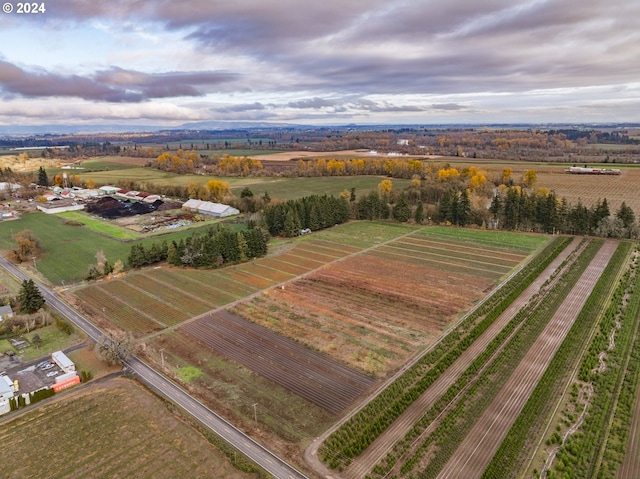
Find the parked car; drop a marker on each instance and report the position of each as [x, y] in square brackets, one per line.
[52, 373]
[48, 366]
[42, 364]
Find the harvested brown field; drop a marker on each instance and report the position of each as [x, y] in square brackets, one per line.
[590, 188]
[114, 429]
[148, 300]
[372, 310]
[312, 375]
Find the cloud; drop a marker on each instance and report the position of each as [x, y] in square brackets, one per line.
[385, 59]
[114, 85]
[447, 106]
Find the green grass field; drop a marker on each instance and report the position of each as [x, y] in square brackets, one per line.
[67, 251]
[104, 172]
[362, 234]
[502, 239]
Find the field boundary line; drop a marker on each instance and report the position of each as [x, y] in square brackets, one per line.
[280, 284]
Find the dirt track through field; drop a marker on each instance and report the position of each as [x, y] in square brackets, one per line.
[477, 449]
[312, 375]
[376, 451]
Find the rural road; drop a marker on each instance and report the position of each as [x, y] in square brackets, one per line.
[271, 463]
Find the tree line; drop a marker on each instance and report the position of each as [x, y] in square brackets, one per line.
[212, 249]
[310, 212]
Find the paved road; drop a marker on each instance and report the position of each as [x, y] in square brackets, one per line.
[253, 450]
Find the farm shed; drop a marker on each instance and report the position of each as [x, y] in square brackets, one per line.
[108, 190]
[208, 208]
[5, 186]
[53, 208]
[63, 361]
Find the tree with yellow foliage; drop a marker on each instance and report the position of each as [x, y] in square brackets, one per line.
[529, 178]
[385, 186]
[448, 173]
[506, 175]
[218, 189]
[476, 178]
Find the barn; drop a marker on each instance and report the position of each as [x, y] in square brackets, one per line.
[208, 208]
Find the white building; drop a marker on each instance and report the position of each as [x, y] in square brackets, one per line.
[6, 187]
[208, 208]
[63, 361]
[108, 190]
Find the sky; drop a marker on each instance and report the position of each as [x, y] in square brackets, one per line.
[320, 62]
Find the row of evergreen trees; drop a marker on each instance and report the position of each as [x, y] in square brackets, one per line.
[214, 248]
[517, 209]
[314, 212]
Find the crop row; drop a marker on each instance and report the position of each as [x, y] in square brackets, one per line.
[442, 262]
[144, 302]
[483, 257]
[518, 337]
[581, 455]
[488, 251]
[359, 431]
[182, 300]
[516, 446]
[473, 391]
[616, 447]
[212, 290]
[117, 312]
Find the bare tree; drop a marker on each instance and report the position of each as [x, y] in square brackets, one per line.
[115, 347]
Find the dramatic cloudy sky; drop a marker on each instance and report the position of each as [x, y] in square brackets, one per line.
[168, 62]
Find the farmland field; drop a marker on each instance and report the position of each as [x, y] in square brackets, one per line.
[115, 429]
[149, 300]
[68, 251]
[351, 311]
[105, 171]
[590, 188]
[311, 375]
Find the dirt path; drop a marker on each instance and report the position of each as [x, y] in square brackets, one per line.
[376, 451]
[477, 449]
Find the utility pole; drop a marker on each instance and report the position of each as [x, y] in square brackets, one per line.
[255, 413]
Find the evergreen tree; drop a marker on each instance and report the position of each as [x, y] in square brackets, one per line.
[291, 223]
[419, 213]
[464, 209]
[402, 210]
[43, 180]
[496, 207]
[30, 298]
[626, 215]
[243, 247]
